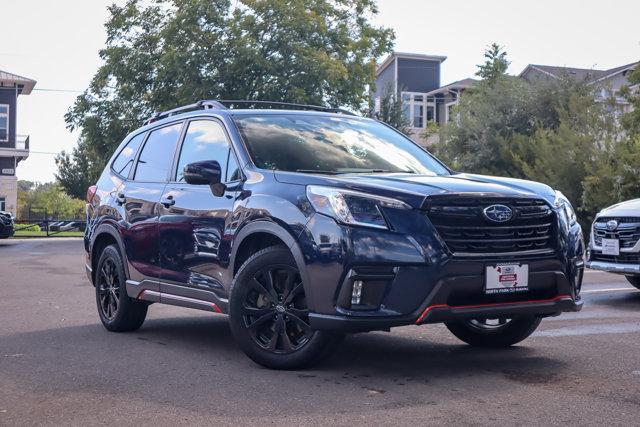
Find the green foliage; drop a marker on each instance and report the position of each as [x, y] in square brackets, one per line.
[167, 53]
[631, 120]
[495, 64]
[33, 228]
[431, 129]
[392, 112]
[50, 198]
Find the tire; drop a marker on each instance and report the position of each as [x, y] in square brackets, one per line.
[269, 315]
[634, 280]
[117, 311]
[478, 334]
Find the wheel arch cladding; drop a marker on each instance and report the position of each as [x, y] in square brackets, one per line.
[105, 236]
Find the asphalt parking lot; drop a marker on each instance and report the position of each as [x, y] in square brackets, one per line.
[59, 366]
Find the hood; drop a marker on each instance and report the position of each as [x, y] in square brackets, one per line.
[413, 189]
[628, 208]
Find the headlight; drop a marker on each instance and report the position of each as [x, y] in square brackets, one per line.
[352, 207]
[564, 207]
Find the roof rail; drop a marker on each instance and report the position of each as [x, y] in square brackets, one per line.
[230, 103]
[223, 104]
[200, 105]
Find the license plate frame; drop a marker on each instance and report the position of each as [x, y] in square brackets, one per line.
[506, 278]
[610, 247]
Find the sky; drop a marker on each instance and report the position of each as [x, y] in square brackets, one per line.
[56, 42]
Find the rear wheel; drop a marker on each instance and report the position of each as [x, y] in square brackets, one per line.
[634, 280]
[269, 314]
[117, 311]
[494, 332]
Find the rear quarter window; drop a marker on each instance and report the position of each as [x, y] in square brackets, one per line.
[123, 162]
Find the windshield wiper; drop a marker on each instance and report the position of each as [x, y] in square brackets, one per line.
[320, 171]
[376, 171]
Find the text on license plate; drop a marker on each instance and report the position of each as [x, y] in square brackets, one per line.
[507, 278]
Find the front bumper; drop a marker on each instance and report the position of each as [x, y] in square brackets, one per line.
[614, 267]
[439, 313]
[413, 279]
[551, 293]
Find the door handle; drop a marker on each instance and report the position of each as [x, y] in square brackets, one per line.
[167, 202]
[121, 199]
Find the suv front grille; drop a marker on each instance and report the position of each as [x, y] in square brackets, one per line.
[466, 232]
[627, 232]
[5, 220]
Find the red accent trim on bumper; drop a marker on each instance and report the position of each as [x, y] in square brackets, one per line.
[434, 307]
[216, 308]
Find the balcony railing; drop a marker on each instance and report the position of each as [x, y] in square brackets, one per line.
[22, 142]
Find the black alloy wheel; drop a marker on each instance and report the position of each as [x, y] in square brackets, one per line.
[274, 310]
[269, 313]
[118, 312]
[109, 289]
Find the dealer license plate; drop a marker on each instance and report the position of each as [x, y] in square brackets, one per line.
[507, 278]
[611, 247]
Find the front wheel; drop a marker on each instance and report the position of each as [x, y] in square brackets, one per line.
[634, 280]
[494, 332]
[269, 314]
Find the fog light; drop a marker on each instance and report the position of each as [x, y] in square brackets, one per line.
[356, 293]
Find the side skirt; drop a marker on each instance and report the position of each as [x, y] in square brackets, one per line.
[149, 290]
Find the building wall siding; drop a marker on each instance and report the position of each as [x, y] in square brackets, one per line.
[9, 190]
[5, 164]
[385, 79]
[418, 75]
[8, 96]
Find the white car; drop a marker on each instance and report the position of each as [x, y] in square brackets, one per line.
[615, 241]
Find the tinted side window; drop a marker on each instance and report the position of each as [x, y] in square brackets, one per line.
[124, 161]
[157, 155]
[204, 140]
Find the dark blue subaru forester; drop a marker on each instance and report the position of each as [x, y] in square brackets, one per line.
[304, 223]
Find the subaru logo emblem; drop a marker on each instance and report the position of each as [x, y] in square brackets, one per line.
[612, 225]
[498, 213]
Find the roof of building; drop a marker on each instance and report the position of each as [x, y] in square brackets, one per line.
[23, 84]
[407, 55]
[457, 85]
[589, 74]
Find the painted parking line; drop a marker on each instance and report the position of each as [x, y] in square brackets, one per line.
[595, 291]
[596, 329]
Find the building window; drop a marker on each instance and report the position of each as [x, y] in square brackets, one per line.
[4, 122]
[2, 204]
[417, 110]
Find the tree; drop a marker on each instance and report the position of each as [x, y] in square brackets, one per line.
[392, 111]
[172, 52]
[631, 120]
[34, 198]
[495, 64]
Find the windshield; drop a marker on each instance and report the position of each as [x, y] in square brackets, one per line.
[329, 144]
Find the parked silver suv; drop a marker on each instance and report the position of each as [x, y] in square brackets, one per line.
[615, 241]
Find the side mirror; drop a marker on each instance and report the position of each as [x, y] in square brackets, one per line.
[206, 172]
